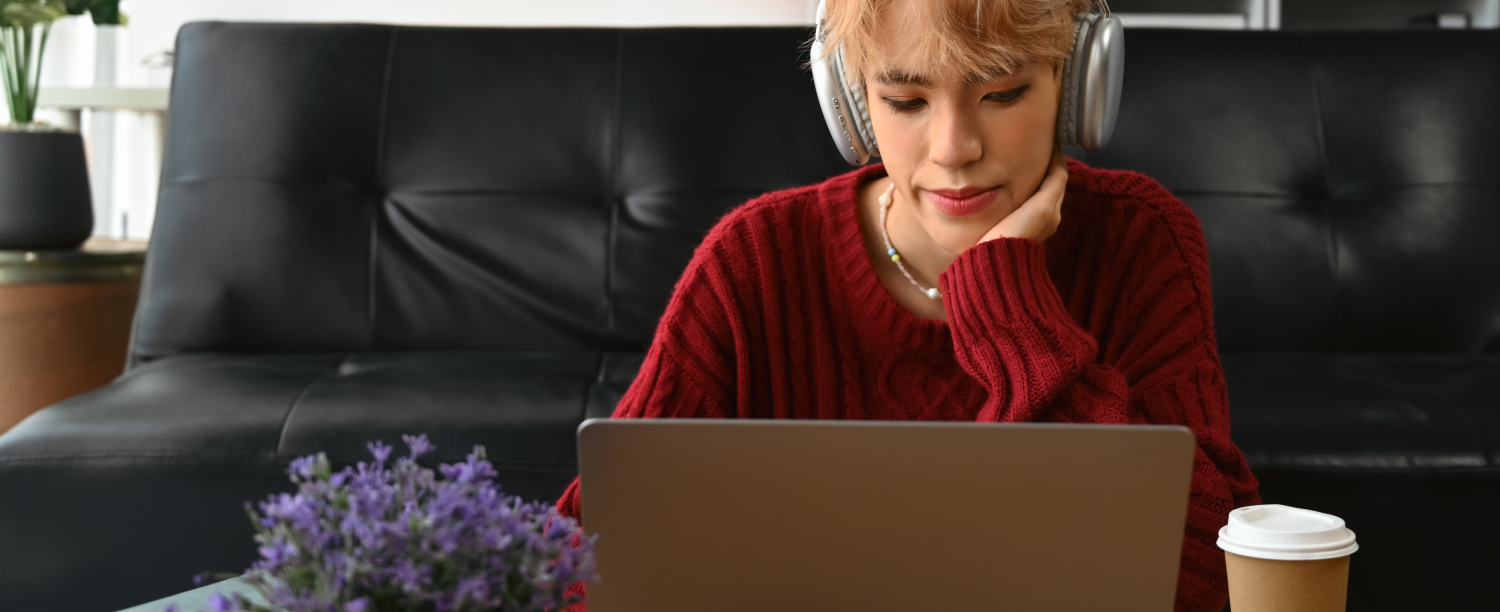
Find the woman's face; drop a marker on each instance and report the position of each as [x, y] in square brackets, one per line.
[963, 149]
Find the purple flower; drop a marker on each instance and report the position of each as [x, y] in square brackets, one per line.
[472, 589]
[380, 450]
[384, 535]
[313, 467]
[471, 470]
[301, 467]
[218, 603]
[276, 554]
[418, 445]
[406, 576]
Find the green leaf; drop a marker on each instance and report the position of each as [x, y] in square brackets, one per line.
[444, 575]
[26, 14]
[301, 577]
[322, 469]
[104, 12]
[107, 12]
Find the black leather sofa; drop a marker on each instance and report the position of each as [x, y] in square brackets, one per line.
[366, 231]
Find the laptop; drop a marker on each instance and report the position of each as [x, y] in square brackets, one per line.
[819, 516]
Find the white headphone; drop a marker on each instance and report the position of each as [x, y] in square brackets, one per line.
[1092, 77]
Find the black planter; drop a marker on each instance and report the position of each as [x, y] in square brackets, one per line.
[44, 191]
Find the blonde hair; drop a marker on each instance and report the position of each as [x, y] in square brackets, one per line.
[950, 37]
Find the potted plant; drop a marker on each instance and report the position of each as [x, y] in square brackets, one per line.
[44, 183]
[392, 536]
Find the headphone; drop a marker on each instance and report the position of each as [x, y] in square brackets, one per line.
[1092, 77]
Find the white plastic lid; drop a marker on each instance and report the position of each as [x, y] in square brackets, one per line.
[1285, 533]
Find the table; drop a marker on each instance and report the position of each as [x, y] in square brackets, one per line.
[65, 320]
[196, 600]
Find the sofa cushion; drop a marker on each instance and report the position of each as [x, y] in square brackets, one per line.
[194, 406]
[1356, 411]
[414, 189]
[523, 406]
[1345, 181]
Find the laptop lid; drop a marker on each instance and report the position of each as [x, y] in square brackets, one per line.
[742, 515]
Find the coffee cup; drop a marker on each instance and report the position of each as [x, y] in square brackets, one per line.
[1286, 559]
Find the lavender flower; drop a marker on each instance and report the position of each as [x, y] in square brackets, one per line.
[219, 603]
[374, 537]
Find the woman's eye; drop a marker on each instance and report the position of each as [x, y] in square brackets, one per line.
[905, 105]
[1006, 97]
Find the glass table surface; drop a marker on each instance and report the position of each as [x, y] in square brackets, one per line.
[196, 600]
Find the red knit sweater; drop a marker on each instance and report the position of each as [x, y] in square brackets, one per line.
[780, 316]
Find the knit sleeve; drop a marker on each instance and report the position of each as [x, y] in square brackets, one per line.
[1013, 333]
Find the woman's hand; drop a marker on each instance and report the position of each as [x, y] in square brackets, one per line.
[1037, 218]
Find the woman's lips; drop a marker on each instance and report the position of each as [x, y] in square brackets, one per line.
[960, 202]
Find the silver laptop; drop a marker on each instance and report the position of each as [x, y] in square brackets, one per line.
[821, 516]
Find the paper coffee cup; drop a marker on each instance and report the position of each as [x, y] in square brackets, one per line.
[1286, 559]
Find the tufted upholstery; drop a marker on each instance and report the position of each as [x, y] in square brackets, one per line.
[366, 231]
[1345, 181]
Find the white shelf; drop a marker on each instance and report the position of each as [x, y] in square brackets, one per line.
[1193, 21]
[104, 98]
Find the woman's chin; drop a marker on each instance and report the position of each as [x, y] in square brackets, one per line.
[955, 241]
[960, 234]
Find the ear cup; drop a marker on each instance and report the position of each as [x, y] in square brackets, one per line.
[854, 93]
[1093, 77]
[844, 108]
[1067, 107]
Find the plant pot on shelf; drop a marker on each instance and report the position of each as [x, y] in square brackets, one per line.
[44, 191]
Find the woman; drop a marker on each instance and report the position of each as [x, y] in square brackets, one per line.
[974, 275]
